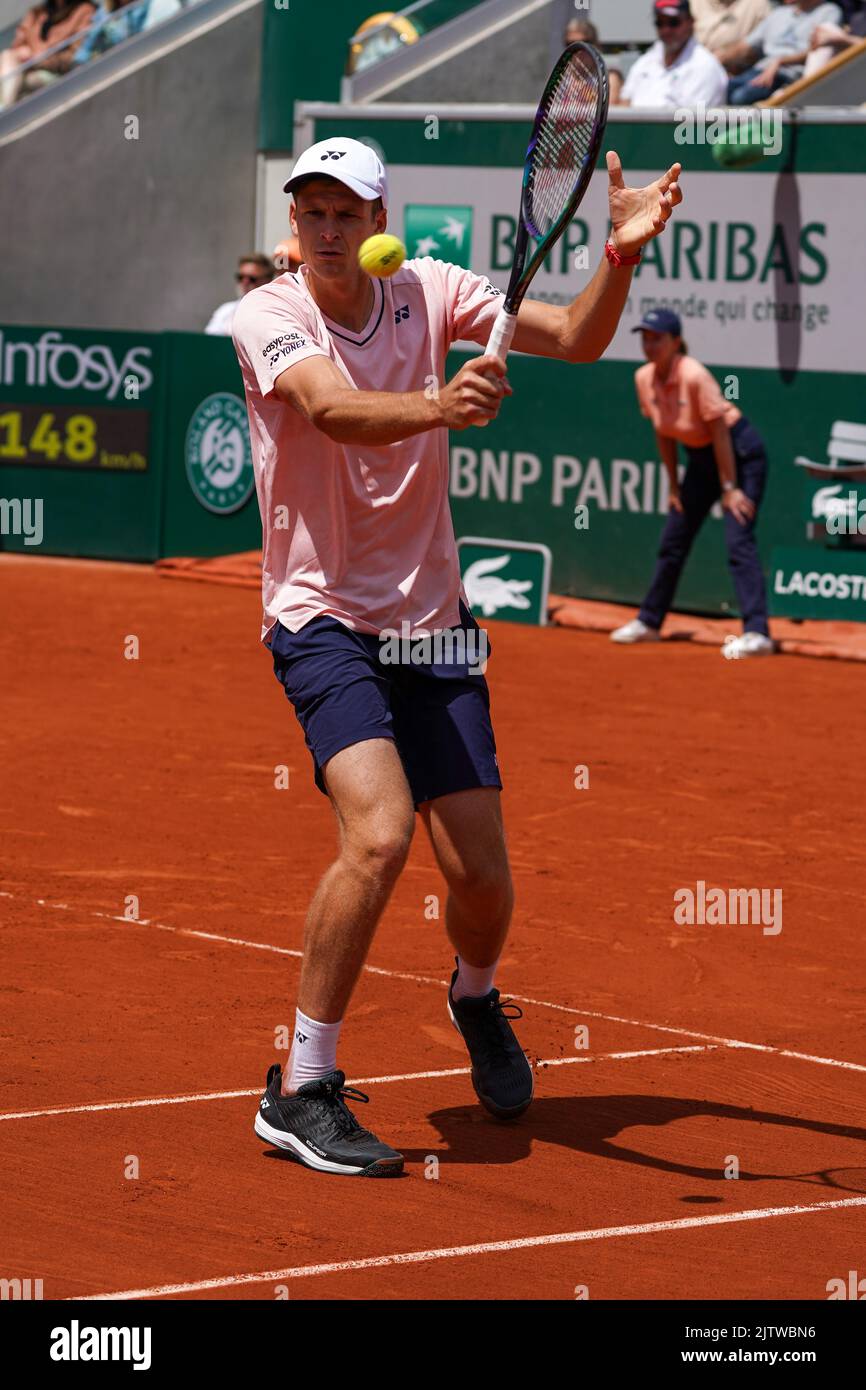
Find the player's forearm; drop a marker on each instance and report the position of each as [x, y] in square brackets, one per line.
[591, 319]
[376, 417]
[668, 454]
[791, 60]
[724, 452]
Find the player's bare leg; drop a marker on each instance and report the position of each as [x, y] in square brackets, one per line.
[306, 1113]
[375, 818]
[468, 840]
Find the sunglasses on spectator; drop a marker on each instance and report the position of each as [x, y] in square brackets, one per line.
[253, 278]
[669, 23]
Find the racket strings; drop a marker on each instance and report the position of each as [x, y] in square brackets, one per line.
[563, 139]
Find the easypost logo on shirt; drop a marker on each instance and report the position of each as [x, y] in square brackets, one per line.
[283, 346]
[218, 460]
[444, 232]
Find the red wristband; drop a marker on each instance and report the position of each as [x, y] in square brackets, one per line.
[616, 258]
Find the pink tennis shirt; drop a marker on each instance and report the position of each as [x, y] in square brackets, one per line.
[360, 533]
[684, 406]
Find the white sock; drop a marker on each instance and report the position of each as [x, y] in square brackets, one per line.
[314, 1050]
[473, 981]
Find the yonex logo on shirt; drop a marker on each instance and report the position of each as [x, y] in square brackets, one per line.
[401, 313]
[283, 346]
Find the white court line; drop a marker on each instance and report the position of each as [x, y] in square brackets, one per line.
[356, 1081]
[488, 1247]
[443, 984]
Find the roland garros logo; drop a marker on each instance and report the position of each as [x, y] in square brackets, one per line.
[218, 461]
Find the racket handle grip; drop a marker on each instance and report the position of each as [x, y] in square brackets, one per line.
[501, 336]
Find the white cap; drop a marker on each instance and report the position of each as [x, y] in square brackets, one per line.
[351, 162]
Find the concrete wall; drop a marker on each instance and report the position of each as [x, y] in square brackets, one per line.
[11, 11]
[511, 65]
[514, 64]
[105, 232]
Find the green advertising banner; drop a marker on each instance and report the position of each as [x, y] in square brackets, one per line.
[807, 582]
[210, 505]
[505, 579]
[123, 446]
[79, 454]
[571, 463]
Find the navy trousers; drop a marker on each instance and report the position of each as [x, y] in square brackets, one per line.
[699, 489]
[743, 92]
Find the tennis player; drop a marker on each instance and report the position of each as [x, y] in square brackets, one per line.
[727, 462]
[349, 414]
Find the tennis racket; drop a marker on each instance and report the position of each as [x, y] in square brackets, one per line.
[562, 154]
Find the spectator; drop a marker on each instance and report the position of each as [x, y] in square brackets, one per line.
[677, 71]
[727, 463]
[583, 31]
[828, 39]
[158, 11]
[286, 255]
[774, 54]
[42, 28]
[252, 271]
[721, 23]
[113, 22]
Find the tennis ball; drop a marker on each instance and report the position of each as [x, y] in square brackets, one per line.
[382, 254]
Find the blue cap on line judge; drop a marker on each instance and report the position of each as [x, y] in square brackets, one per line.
[660, 321]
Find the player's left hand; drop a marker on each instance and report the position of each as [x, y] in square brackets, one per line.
[639, 214]
[741, 507]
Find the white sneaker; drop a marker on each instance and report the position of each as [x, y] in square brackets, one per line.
[749, 644]
[635, 631]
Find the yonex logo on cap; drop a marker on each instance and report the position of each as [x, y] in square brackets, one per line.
[357, 165]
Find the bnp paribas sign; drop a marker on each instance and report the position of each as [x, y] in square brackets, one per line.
[757, 283]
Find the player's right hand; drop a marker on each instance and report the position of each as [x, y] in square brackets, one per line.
[473, 396]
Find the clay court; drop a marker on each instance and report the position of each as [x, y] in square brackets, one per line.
[149, 1039]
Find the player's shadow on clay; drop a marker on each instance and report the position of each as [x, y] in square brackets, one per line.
[589, 1124]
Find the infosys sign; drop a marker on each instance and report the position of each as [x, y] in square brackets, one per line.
[806, 582]
[115, 369]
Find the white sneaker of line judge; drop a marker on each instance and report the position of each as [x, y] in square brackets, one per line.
[635, 631]
[748, 644]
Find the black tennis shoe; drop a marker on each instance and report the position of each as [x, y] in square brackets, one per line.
[318, 1129]
[501, 1074]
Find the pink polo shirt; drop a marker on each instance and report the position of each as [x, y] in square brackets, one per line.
[360, 533]
[684, 406]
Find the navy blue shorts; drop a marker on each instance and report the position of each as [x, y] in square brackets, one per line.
[438, 714]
